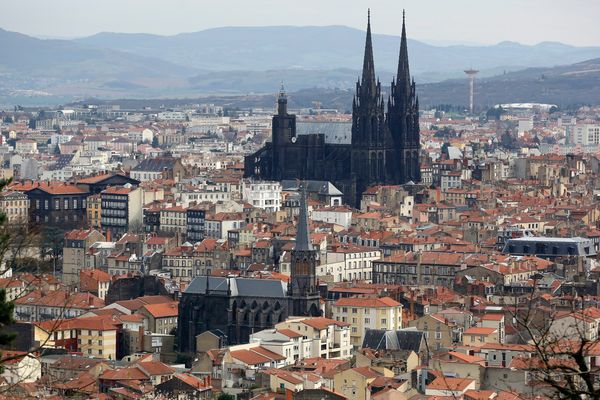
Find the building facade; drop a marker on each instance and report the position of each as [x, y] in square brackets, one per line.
[121, 209]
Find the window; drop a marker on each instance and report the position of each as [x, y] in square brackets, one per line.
[438, 335]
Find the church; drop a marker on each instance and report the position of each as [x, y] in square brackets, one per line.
[382, 147]
[238, 306]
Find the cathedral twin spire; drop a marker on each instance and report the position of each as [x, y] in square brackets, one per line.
[386, 142]
[368, 87]
[368, 83]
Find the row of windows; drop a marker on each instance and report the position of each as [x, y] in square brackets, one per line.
[56, 219]
[113, 221]
[67, 204]
[114, 204]
[114, 213]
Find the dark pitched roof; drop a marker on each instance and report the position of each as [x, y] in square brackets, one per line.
[243, 287]
[405, 339]
[157, 164]
[320, 187]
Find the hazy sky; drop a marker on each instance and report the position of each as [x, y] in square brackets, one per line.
[473, 21]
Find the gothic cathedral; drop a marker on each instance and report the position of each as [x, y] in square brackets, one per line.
[384, 146]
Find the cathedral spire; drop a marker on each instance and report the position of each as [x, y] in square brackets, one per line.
[368, 74]
[302, 237]
[403, 76]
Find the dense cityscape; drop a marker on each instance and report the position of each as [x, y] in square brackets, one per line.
[384, 251]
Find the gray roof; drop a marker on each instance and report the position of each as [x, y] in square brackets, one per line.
[549, 246]
[302, 237]
[157, 164]
[244, 287]
[320, 187]
[550, 239]
[335, 132]
[404, 339]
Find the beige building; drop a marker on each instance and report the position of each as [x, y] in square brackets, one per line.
[15, 205]
[367, 313]
[354, 382]
[162, 317]
[439, 332]
[577, 324]
[77, 242]
[94, 211]
[460, 365]
[174, 220]
[91, 336]
[478, 336]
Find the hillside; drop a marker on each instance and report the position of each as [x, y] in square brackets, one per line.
[332, 47]
[577, 83]
[62, 66]
[242, 61]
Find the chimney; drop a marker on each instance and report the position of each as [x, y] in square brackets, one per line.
[141, 334]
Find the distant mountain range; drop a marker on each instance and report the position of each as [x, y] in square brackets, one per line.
[254, 60]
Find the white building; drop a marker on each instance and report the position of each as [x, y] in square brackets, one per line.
[203, 196]
[263, 195]
[26, 146]
[219, 224]
[334, 215]
[328, 338]
[356, 261]
[585, 134]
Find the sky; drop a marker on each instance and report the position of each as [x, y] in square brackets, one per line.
[438, 22]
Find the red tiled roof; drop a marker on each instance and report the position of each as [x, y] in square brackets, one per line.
[322, 322]
[366, 302]
[162, 310]
[256, 355]
[449, 383]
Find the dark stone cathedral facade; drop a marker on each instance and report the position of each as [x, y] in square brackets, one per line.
[384, 146]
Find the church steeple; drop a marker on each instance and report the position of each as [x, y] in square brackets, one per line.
[302, 236]
[403, 76]
[368, 83]
[304, 261]
[403, 118]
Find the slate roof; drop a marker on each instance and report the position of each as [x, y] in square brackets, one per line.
[334, 132]
[320, 187]
[405, 339]
[157, 164]
[242, 287]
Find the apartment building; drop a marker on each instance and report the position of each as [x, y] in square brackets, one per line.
[77, 243]
[330, 338]
[364, 313]
[121, 209]
[262, 194]
[15, 206]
